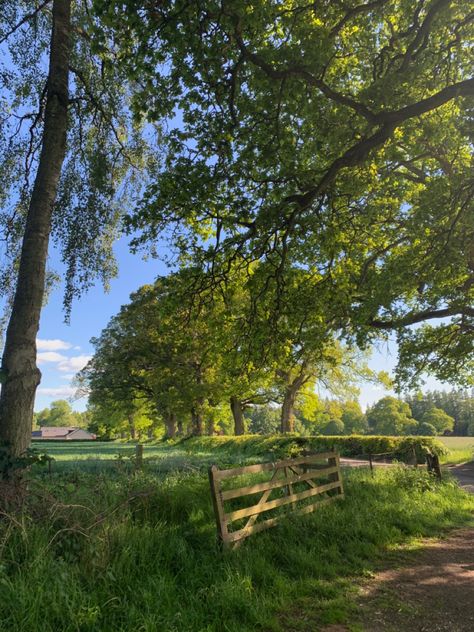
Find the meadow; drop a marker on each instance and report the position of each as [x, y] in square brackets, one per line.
[109, 548]
[460, 449]
[197, 454]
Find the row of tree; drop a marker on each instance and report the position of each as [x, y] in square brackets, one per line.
[187, 361]
[313, 415]
[208, 365]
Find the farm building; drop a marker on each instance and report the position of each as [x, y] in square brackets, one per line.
[51, 433]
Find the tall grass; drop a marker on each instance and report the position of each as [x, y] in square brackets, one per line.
[115, 551]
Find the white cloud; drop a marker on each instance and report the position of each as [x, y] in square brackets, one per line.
[67, 376]
[51, 356]
[74, 364]
[62, 392]
[52, 345]
[64, 364]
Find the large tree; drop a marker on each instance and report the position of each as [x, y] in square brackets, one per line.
[335, 136]
[67, 150]
[391, 416]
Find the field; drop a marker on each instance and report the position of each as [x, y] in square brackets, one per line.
[166, 457]
[461, 449]
[98, 549]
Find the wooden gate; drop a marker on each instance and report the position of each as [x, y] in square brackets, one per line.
[292, 482]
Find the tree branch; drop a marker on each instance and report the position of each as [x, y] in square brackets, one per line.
[25, 19]
[418, 317]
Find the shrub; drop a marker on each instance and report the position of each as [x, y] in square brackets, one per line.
[281, 446]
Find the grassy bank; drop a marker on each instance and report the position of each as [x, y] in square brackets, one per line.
[119, 551]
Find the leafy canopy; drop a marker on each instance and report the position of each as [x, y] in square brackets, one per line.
[334, 137]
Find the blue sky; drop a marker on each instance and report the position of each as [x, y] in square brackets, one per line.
[64, 349]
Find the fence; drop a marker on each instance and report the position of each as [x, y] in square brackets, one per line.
[285, 477]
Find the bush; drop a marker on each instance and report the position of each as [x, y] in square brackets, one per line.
[272, 447]
[426, 429]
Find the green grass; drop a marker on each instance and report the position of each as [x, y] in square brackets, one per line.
[461, 449]
[112, 550]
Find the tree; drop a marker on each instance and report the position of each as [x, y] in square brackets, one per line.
[164, 349]
[59, 413]
[263, 420]
[390, 416]
[67, 144]
[425, 429]
[354, 420]
[438, 419]
[457, 404]
[334, 137]
[330, 419]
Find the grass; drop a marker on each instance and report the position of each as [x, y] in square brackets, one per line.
[461, 449]
[112, 550]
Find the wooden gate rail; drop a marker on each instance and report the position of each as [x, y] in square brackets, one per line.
[305, 469]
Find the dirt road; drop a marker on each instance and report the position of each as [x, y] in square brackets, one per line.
[431, 592]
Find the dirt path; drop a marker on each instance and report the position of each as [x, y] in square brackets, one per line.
[433, 593]
[465, 475]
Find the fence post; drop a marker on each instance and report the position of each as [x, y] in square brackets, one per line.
[370, 463]
[218, 505]
[432, 464]
[139, 456]
[333, 461]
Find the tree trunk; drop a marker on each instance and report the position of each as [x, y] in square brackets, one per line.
[287, 410]
[196, 421]
[131, 425]
[238, 414]
[180, 427]
[292, 389]
[21, 375]
[170, 425]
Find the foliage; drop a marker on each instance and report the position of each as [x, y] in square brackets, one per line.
[11, 466]
[272, 447]
[354, 420]
[425, 429]
[391, 416]
[60, 413]
[457, 404]
[105, 148]
[333, 138]
[438, 419]
[263, 420]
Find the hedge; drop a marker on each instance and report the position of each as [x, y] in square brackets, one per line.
[271, 447]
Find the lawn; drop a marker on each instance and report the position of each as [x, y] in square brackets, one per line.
[118, 550]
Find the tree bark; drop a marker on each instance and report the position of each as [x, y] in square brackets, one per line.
[238, 415]
[180, 427]
[288, 410]
[287, 423]
[196, 420]
[211, 429]
[21, 375]
[170, 425]
[131, 425]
